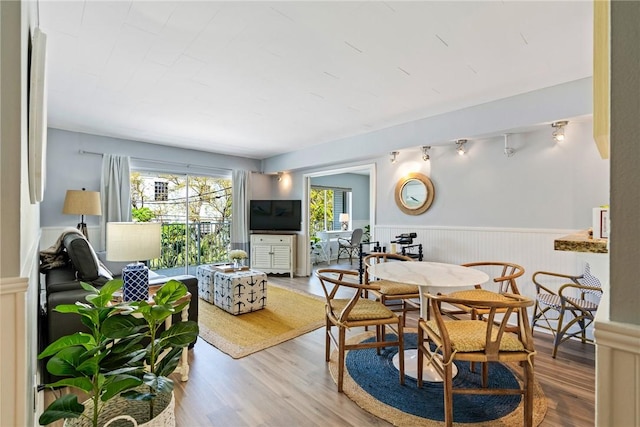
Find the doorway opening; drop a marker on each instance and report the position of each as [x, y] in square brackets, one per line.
[356, 198]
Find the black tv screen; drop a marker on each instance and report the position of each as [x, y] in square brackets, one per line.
[275, 215]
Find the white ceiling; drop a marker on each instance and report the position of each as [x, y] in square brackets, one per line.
[257, 79]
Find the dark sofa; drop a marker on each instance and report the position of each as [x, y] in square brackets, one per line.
[62, 286]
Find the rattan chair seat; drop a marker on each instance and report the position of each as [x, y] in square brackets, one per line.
[364, 310]
[479, 295]
[388, 287]
[471, 335]
[555, 302]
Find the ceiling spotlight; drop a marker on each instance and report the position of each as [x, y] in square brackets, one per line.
[460, 146]
[394, 154]
[558, 133]
[425, 152]
[508, 151]
[279, 176]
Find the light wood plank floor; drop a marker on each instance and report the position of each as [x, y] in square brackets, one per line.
[290, 384]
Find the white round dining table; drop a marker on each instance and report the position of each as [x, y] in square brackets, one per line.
[429, 277]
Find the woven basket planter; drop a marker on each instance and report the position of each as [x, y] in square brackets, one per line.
[120, 412]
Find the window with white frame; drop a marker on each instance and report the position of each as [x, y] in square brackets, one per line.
[325, 206]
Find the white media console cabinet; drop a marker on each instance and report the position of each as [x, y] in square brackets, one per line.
[273, 253]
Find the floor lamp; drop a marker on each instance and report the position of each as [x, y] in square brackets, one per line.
[82, 202]
[134, 241]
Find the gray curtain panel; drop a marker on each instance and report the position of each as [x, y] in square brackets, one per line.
[240, 206]
[115, 191]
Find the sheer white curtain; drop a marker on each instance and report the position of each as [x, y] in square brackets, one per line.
[115, 191]
[240, 207]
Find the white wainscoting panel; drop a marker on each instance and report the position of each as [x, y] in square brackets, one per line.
[617, 374]
[13, 352]
[530, 248]
[50, 235]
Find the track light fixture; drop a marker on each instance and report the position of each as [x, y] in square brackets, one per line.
[508, 151]
[425, 152]
[460, 146]
[279, 177]
[394, 154]
[558, 133]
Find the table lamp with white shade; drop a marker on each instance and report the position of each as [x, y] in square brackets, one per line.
[134, 241]
[344, 219]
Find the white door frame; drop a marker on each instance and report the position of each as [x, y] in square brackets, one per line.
[305, 259]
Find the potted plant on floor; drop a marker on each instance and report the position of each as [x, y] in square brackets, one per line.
[110, 360]
[163, 353]
[93, 363]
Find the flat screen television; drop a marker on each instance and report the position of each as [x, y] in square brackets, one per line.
[275, 215]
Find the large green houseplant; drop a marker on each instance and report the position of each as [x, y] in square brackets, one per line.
[122, 354]
[95, 362]
[163, 352]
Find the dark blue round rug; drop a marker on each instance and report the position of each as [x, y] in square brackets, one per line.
[372, 382]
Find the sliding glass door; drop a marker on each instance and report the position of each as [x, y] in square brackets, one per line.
[195, 213]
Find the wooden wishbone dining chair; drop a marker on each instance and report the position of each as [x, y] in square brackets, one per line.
[503, 274]
[481, 341]
[399, 297]
[355, 311]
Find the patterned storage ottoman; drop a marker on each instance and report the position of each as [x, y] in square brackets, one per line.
[204, 273]
[240, 292]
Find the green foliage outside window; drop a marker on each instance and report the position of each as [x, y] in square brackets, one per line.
[143, 214]
[205, 201]
[320, 205]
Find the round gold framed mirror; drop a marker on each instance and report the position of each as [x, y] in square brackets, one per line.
[414, 193]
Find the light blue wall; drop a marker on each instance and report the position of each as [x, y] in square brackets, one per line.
[68, 168]
[573, 99]
[359, 184]
[545, 185]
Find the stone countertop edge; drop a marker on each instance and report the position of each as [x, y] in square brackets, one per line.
[581, 242]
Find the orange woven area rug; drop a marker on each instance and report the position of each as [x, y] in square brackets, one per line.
[289, 313]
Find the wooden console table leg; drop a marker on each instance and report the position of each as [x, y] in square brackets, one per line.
[184, 363]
